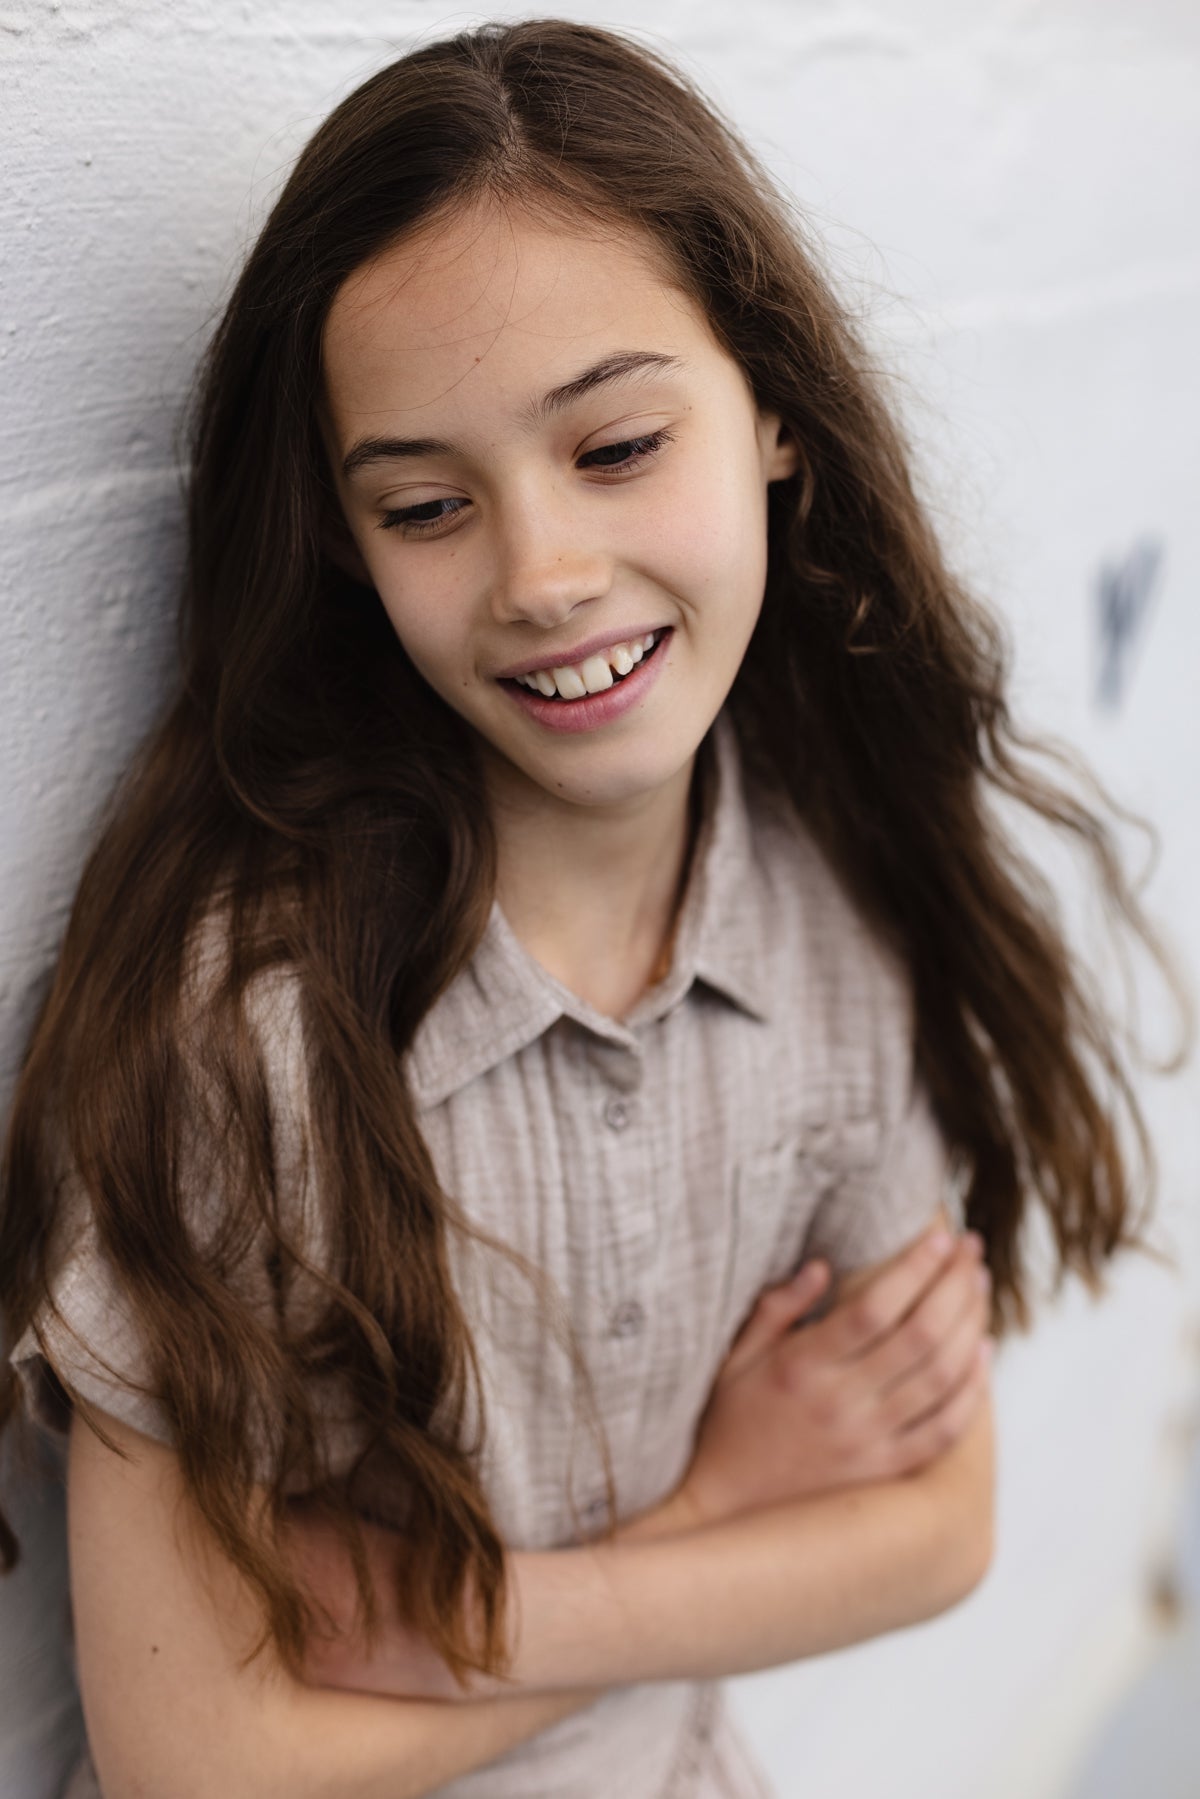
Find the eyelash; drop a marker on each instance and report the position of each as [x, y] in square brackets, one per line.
[639, 449]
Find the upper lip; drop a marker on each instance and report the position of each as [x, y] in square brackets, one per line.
[578, 652]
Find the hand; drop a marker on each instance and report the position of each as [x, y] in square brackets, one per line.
[878, 1388]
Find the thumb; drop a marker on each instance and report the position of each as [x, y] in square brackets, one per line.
[776, 1310]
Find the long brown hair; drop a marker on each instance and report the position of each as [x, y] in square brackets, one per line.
[308, 782]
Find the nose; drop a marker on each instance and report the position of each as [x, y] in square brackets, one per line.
[547, 560]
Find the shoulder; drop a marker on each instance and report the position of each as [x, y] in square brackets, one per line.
[238, 984]
[849, 978]
[241, 1032]
[233, 1103]
[246, 1080]
[845, 1029]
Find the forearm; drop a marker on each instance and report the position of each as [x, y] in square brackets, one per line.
[175, 1704]
[762, 1589]
[353, 1746]
[674, 1599]
[302, 1742]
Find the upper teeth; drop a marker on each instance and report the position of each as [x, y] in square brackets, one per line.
[593, 674]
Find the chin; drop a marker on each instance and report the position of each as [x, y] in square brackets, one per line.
[615, 774]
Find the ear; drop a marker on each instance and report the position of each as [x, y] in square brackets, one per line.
[340, 547]
[781, 456]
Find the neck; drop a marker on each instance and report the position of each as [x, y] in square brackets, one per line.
[593, 892]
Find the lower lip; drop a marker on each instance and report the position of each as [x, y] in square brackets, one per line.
[594, 709]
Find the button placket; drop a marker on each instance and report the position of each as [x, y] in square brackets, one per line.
[622, 1315]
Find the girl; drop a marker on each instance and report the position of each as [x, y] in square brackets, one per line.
[557, 935]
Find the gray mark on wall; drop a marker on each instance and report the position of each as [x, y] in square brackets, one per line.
[1124, 597]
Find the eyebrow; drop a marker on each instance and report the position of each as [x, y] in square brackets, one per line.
[618, 367]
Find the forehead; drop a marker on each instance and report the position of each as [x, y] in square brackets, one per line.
[493, 302]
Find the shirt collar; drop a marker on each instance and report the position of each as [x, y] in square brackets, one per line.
[504, 999]
[722, 928]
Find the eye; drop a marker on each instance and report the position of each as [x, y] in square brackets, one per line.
[422, 520]
[628, 454]
[432, 518]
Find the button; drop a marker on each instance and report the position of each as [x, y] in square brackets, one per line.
[618, 1113]
[627, 1320]
[595, 1512]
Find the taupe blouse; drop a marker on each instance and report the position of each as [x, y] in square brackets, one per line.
[755, 1107]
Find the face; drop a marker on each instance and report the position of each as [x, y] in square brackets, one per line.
[544, 458]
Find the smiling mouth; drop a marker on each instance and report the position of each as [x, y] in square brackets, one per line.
[595, 674]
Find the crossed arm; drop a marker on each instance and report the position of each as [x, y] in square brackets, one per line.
[796, 1579]
[162, 1622]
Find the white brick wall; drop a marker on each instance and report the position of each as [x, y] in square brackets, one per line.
[1014, 188]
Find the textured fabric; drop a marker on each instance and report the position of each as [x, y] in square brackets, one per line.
[756, 1106]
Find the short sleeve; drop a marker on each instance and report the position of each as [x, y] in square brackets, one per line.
[886, 1196]
[85, 1340]
[890, 1168]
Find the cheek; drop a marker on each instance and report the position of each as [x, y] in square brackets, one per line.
[710, 543]
[424, 623]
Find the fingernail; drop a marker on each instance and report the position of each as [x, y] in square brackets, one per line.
[941, 1243]
[983, 1275]
[985, 1350]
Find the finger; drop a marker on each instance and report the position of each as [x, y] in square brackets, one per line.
[776, 1310]
[935, 1380]
[939, 1431]
[879, 1306]
[955, 1291]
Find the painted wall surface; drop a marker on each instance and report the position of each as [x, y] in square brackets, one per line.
[1011, 193]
